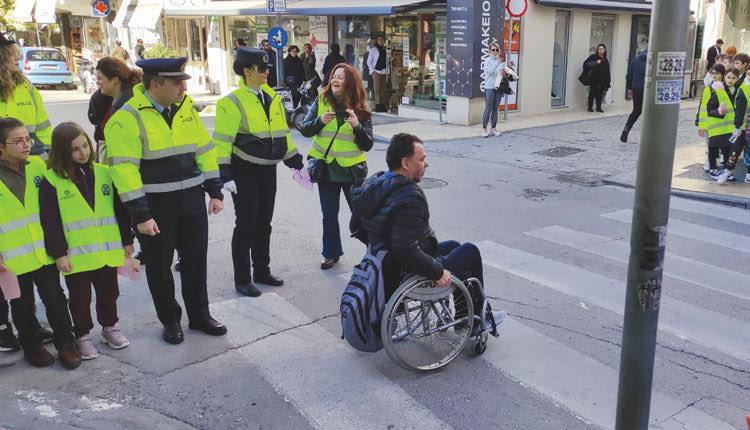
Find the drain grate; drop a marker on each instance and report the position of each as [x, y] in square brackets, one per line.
[430, 183]
[695, 171]
[559, 151]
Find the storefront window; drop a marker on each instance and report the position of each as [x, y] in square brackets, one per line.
[412, 42]
[602, 29]
[560, 57]
[353, 35]
[639, 34]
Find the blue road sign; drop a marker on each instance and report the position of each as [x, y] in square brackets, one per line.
[100, 8]
[277, 37]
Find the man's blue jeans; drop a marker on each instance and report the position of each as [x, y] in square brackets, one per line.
[463, 260]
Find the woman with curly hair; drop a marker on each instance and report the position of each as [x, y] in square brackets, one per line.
[341, 127]
[19, 99]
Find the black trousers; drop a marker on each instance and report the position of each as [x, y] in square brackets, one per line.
[637, 107]
[253, 209]
[182, 218]
[736, 152]
[596, 93]
[47, 280]
[4, 311]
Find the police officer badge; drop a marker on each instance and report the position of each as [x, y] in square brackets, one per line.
[105, 190]
[37, 181]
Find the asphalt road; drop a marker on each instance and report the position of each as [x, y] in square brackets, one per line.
[555, 245]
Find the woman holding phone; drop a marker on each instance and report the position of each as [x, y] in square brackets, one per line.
[341, 127]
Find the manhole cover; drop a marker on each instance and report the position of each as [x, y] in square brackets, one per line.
[695, 171]
[589, 179]
[430, 183]
[559, 151]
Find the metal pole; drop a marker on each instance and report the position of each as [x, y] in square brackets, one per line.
[440, 83]
[279, 55]
[507, 61]
[38, 38]
[661, 100]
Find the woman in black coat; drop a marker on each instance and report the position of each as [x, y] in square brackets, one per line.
[596, 72]
[294, 72]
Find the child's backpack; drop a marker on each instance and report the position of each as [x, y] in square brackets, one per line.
[363, 302]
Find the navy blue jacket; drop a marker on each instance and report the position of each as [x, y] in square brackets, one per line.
[636, 72]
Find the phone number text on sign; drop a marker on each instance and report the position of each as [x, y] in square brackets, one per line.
[670, 65]
[668, 92]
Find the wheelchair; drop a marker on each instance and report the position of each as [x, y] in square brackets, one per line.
[425, 327]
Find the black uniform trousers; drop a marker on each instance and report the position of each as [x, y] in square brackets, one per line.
[182, 218]
[47, 280]
[637, 107]
[253, 208]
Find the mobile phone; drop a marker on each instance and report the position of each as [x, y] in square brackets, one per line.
[341, 115]
[733, 139]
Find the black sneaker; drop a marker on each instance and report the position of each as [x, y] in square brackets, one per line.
[624, 135]
[8, 340]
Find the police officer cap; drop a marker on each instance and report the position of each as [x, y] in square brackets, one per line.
[4, 41]
[167, 67]
[250, 57]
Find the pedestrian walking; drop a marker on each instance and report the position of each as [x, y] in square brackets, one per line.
[161, 160]
[140, 50]
[87, 231]
[115, 81]
[294, 72]
[701, 119]
[712, 52]
[377, 64]
[720, 124]
[331, 60]
[634, 82]
[119, 52]
[22, 250]
[341, 127]
[308, 62]
[19, 99]
[596, 75]
[493, 64]
[271, 62]
[252, 137]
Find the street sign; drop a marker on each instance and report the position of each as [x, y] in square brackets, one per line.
[100, 8]
[277, 37]
[516, 8]
[276, 6]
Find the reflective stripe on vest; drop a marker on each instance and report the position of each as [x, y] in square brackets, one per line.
[703, 110]
[159, 154]
[21, 235]
[93, 236]
[722, 126]
[344, 148]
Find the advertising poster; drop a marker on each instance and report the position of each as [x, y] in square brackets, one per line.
[440, 38]
[472, 26]
[512, 60]
[319, 40]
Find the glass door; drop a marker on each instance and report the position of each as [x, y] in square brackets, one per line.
[560, 57]
[602, 30]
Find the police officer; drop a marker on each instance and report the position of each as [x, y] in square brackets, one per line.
[162, 161]
[19, 99]
[252, 136]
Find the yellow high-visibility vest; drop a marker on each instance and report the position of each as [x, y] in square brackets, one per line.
[344, 150]
[721, 126]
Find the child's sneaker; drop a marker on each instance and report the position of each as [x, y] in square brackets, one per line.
[494, 132]
[484, 133]
[715, 173]
[707, 167]
[86, 348]
[112, 337]
[721, 179]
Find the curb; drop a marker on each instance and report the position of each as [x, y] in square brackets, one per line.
[695, 195]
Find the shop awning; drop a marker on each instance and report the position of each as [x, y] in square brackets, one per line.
[22, 11]
[632, 6]
[138, 14]
[300, 7]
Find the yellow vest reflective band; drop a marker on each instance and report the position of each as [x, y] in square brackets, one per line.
[344, 149]
[93, 235]
[721, 126]
[147, 156]
[21, 235]
[242, 128]
[703, 110]
[25, 104]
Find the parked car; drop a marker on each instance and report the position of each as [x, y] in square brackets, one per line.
[46, 66]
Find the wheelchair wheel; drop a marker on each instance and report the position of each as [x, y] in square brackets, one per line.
[425, 327]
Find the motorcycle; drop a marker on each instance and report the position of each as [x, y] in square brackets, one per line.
[308, 95]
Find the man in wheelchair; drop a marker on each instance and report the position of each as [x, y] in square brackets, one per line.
[390, 208]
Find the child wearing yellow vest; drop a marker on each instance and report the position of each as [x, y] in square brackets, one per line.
[720, 123]
[701, 119]
[87, 232]
[22, 250]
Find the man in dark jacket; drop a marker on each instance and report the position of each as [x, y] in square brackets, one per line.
[331, 60]
[272, 81]
[712, 52]
[393, 210]
[634, 84]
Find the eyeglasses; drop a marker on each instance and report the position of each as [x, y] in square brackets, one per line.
[261, 68]
[494, 50]
[26, 141]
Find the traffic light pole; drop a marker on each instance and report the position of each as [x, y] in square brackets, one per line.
[661, 99]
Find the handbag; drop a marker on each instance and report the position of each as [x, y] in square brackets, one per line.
[317, 167]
